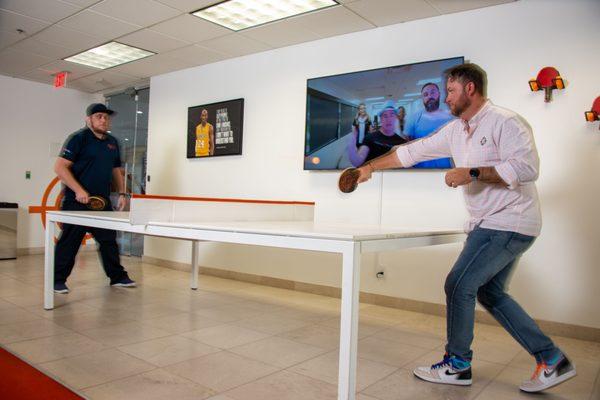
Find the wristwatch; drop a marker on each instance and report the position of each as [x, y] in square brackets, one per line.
[474, 172]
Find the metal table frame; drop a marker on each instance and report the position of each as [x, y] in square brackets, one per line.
[349, 246]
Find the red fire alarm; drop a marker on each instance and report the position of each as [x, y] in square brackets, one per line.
[60, 79]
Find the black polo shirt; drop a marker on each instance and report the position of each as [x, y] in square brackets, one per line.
[93, 161]
[379, 144]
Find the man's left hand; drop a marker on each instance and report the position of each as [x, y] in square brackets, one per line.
[122, 203]
[457, 177]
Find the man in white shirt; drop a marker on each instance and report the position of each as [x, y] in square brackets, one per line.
[496, 166]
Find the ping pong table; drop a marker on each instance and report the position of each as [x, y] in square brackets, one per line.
[298, 232]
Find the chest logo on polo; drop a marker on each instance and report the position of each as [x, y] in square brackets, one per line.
[111, 146]
[483, 140]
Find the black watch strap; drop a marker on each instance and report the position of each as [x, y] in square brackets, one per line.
[474, 172]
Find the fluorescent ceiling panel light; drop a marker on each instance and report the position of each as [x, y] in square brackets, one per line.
[241, 14]
[374, 98]
[411, 94]
[109, 55]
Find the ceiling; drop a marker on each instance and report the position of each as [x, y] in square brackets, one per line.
[35, 35]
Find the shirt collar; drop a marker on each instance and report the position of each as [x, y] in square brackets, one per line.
[471, 125]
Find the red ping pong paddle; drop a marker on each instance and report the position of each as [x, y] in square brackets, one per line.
[593, 114]
[547, 79]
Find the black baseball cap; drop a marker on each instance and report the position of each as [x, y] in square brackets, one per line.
[98, 108]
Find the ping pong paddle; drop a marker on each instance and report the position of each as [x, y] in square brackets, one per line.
[96, 203]
[549, 78]
[348, 181]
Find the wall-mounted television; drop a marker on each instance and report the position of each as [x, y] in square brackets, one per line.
[354, 117]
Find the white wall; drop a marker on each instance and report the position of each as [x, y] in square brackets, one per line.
[512, 42]
[35, 120]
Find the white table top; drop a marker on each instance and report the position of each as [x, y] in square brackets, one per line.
[308, 229]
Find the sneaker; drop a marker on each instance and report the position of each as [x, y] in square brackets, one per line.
[61, 288]
[546, 376]
[123, 282]
[452, 370]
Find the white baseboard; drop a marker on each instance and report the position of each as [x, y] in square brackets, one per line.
[549, 327]
[26, 251]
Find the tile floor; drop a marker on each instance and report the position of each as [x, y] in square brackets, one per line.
[231, 340]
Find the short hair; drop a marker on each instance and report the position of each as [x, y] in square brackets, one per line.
[430, 84]
[466, 73]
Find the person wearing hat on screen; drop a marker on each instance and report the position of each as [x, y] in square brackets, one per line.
[88, 163]
[379, 142]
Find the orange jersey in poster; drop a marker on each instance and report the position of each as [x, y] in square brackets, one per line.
[203, 140]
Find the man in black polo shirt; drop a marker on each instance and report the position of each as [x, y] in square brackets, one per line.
[87, 165]
[379, 142]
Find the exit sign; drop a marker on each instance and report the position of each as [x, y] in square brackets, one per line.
[60, 79]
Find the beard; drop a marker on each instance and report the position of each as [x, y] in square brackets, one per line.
[432, 105]
[99, 130]
[460, 106]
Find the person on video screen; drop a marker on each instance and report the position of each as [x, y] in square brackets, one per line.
[401, 122]
[361, 123]
[205, 136]
[428, 120]
[378, 142]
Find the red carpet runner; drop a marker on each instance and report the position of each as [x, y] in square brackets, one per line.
[20, 381]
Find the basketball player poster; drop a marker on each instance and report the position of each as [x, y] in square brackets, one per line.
[215, 129]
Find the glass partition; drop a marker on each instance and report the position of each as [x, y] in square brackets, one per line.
[130, 127]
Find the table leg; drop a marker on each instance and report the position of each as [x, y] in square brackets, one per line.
[349, 322]
[49, 266]
[195, 249]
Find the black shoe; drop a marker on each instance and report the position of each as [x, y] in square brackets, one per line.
[61, 288]
[124, 282]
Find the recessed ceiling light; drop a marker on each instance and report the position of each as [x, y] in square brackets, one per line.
[109, 55]
[432, 80]
[241, 14]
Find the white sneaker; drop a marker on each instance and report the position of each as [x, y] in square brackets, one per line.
[450, 371]
[546, 376]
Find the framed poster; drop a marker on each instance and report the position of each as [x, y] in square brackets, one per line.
[215, 129]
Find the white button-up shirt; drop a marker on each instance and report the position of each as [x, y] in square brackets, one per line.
[494, 137]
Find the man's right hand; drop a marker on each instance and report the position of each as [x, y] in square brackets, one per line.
[82, 197]
[366, 172]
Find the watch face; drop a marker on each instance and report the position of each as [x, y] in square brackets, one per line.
[474, 172]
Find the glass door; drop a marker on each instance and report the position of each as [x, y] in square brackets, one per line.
[130, 127]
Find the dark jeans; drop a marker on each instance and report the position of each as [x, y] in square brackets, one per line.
[70, 240]
[482, 272]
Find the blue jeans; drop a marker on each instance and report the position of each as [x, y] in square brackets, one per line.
[483, 271]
